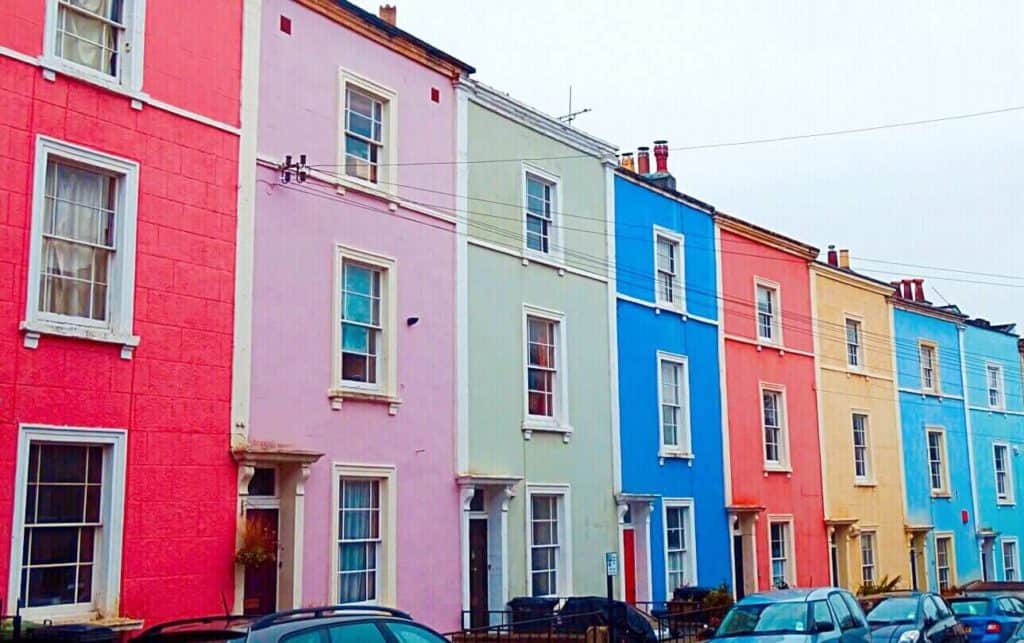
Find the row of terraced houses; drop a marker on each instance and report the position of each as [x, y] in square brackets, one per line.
[298, 278]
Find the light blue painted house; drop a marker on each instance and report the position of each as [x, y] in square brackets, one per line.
[938, 469]
[996, 407]
[675, 531]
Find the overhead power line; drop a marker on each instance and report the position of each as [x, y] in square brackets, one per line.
[725, 144]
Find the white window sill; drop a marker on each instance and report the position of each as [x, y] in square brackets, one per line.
[338, 395]
[668, 454]
[777, 468]
[943, 495]
[546, 425]
[87, 75]
[346, 182]
[662, 306]
[865, 483]
[1006, 502]
[549, 259]
[34, 329]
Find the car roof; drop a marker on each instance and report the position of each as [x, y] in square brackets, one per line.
[790, 595]
[290, 620]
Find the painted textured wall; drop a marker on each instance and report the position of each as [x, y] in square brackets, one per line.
[876, 503]
[499, 285]
[173, 397]
[296, 233]
[1004, 425]
[796, 493]
[918, 411]
[642, 332]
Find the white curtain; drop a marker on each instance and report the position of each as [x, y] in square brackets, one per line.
[86, 40]
[74, 275]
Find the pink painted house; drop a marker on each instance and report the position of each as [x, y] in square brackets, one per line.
[344, 392]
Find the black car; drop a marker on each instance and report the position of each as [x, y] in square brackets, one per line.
[333, 624]
[914, 617]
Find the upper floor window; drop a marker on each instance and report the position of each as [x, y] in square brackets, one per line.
[365, 356]
[994, 376]
[668, 265]
[1003, 467]
[98, 39]
[929, 367]
[369, 126]
[768, 327]
[83, 242]
[854, 356]
[776, 443]
[861, 455]
[540, 209]
[938, 473]
[544, 360]
[675, 403]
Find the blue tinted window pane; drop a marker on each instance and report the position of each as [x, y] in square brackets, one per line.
[355, 338]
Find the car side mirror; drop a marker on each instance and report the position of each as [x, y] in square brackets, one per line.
[824, 626]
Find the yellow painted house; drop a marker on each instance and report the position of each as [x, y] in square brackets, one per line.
[862, 463]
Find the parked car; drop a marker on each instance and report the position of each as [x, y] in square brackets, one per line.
[338, 624]
[991, 618]
[913, 617]
[796, 616]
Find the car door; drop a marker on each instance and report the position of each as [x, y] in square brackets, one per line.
[822, 614]
[939, 623]
[857, 612]
[850, 630]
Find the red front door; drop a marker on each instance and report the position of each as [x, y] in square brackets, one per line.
[629, 563]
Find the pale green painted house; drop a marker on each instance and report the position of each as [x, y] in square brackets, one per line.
[537, 425]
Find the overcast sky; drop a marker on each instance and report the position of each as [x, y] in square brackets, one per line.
[949, 194]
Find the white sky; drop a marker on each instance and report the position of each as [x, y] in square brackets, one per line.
[949, 194]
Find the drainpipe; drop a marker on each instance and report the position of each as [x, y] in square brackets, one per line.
[970, 438]
[815, 315]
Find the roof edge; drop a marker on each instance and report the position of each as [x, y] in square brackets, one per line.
[764, 235]
[682, 197]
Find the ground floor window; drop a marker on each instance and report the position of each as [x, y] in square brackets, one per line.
[679, 556]
[1010, 563]
[867, 557]
[780, 542]
[548, 523]
[943, 561]
[68, 513]
[364, 529]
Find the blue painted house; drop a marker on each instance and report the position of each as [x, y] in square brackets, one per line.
[675, 531]
[938, 469]
[996, 409]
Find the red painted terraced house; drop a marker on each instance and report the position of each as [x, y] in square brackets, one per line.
[118, 193]
[773, 461]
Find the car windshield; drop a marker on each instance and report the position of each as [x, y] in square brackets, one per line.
[767, 618]
[894, 610]
[969, 608]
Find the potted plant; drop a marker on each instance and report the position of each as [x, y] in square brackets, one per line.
[258, 543]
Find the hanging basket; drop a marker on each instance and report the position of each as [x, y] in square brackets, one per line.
[259, 543]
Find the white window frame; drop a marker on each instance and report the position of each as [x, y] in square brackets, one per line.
[690, 570]
[1009, 498]
[950, 559]
[1001, 386]
[684, 436]
[783, 463]
[130, 57]
[555, 237]
[944, 490]
[776, 324]
[386, 386]
[936, 386]
[790, 549]
[679, 289]
[107, 568]
[564, 576]
[121, 289]
[387, 579]
[869, 469]
[859, 346]
[558, 423]
[387, 168]
[1010, 542]
[869, 536]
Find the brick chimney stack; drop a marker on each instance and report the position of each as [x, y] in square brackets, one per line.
[389, 14]
[844, 259]
[918, 289]
[643, 157]
[626, 161]
[833, 256]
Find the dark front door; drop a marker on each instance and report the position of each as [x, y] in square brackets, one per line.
[737, 556]
[261, 580]
[478, 573]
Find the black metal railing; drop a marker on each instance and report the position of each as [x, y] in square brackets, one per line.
[551, 629]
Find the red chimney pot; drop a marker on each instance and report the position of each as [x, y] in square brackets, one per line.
[643, 158]
[833, 256]
[661, 155]
[908, 289]
[918, 289]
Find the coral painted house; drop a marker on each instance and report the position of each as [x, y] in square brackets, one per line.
[346, 412]
[774, 464]
[118, 195]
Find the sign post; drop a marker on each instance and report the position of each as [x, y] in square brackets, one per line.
[611, 570]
